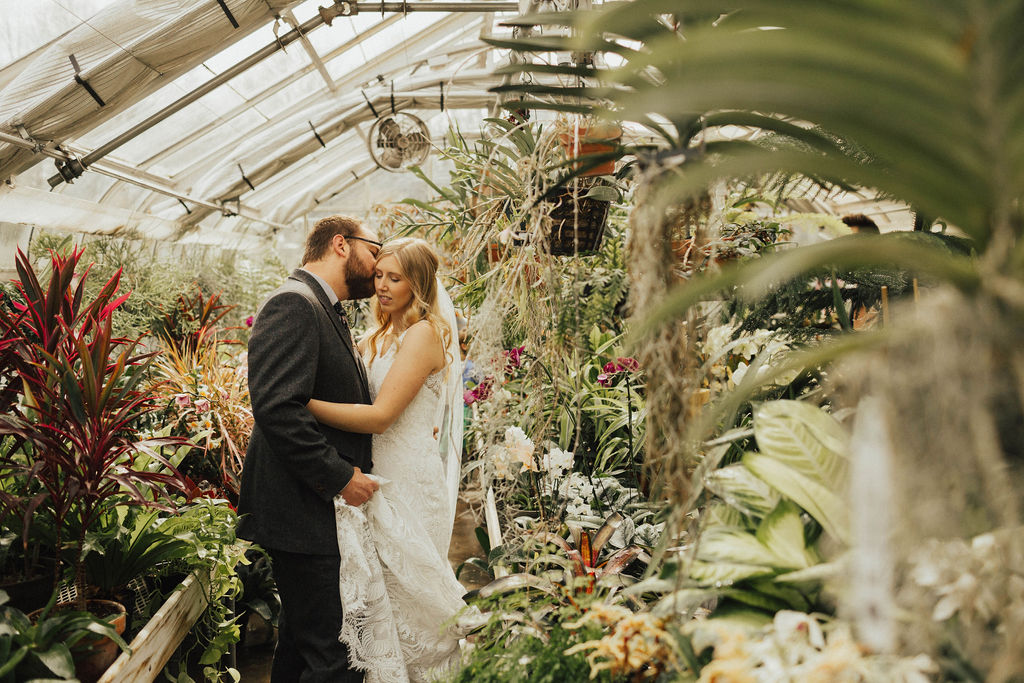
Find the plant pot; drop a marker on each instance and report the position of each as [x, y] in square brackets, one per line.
[29, 594]
[577, 225]
[599, 138]
[94, 654]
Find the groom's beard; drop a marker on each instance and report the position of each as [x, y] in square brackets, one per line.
[359, 280]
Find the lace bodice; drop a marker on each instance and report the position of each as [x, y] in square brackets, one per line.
[408, 455]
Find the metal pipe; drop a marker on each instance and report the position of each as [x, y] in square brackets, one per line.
[204, 89]
[338, 9]
[33, 146]
[269, 92]
[342, 9]
[117, 174]
[242, 211]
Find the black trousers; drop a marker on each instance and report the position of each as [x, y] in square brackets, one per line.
[308, 649]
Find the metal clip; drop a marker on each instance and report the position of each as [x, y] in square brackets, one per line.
[84, 83]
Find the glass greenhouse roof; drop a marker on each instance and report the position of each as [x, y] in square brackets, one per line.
[236, 133]
[223, 123]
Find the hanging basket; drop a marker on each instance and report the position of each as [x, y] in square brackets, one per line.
[577, 224]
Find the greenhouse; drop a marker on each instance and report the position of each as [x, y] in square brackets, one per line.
[530, 340]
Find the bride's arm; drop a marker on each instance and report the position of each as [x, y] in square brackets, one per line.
[420, 355]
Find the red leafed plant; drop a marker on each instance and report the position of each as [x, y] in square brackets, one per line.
[75, 428]
[192, 322]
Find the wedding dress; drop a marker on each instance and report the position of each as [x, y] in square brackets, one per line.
[399, 593]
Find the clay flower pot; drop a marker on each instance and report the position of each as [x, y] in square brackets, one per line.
[94, 654]
[595, 138]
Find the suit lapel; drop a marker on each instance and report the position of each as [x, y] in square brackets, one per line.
[343, 332]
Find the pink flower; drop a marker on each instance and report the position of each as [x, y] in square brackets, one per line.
[604, 380]
[469, 397]
[182, 400]
[483, 390]
[621, 364]
[202, 405]
[248, 321]
[513, 358]
[627, 363]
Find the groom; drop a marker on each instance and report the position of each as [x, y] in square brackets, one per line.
[301, 348]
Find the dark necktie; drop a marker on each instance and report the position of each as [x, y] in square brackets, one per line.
[341, 313]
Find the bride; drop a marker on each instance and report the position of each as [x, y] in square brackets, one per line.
[399, 593]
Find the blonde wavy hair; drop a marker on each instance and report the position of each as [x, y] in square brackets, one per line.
[418, 262]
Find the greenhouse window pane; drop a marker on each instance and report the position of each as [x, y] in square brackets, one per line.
[236, 52]
[270, 70]
[177, 162]
[38, 22]
[327, 38]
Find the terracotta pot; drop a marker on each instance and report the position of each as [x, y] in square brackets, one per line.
[496, 252]
[597, 139]
[94, 654]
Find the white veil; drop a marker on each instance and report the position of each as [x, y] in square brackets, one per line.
[451, 419]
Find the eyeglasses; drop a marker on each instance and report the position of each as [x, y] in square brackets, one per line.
[375, 243]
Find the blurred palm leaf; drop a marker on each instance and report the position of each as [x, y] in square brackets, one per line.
[927, 91]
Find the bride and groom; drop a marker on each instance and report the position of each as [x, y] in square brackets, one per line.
[352, 470]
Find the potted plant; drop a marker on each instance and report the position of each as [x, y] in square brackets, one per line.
[51, 644]
[592, 143]
[26, 560]
[75, 430]
[577, 220]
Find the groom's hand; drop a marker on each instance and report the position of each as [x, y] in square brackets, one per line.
[359, 488]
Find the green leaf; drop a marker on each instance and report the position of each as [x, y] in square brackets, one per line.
[820, 502]
[483, 539]
[11, 662]
[735, 546]
[681, 601]
[817, 573]
[782, 532]
[741, 617]
[805, 438]
[58, 660]
[739, 488]
[753, 598]
[604, 193]
[791, 597]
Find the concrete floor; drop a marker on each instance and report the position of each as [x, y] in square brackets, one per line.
[254, 662]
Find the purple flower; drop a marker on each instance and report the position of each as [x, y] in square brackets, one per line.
[628, 363]
[614, 367]
[248, 321]
[622, 364]
[513, 358]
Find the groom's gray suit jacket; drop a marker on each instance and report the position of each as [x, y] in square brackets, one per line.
[299, 349]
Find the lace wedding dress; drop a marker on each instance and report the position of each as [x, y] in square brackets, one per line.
[399, 593]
